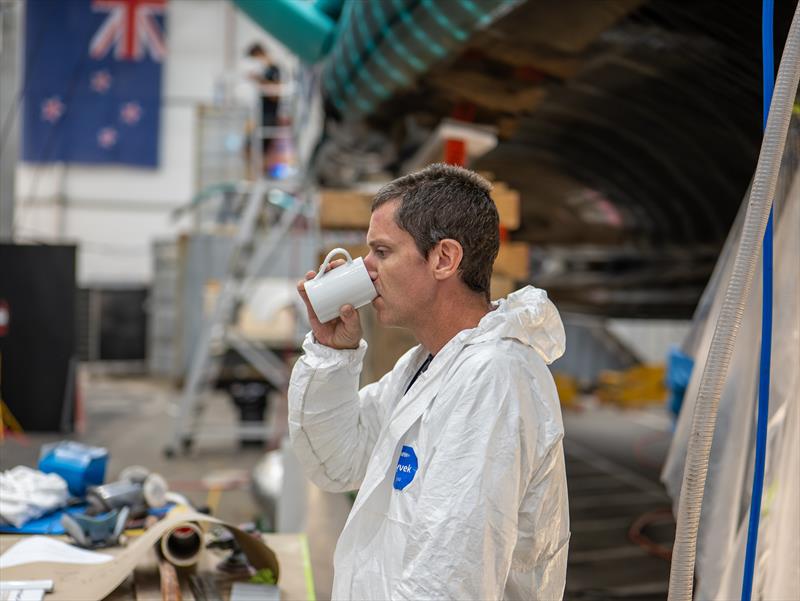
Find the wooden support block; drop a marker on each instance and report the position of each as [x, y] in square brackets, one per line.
[508, 205]
[513, 260]
[344, 209]
[501, 286]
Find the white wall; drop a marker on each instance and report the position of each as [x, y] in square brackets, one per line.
[115, 212]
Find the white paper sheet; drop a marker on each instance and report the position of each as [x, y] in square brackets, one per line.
[22, 595]
[42, 548]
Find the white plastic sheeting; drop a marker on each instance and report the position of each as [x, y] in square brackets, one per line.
[724, 520]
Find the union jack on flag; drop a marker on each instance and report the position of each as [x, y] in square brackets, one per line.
[130, 28]
[93, 81]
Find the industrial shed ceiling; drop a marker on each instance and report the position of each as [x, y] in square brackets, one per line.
[631, 129]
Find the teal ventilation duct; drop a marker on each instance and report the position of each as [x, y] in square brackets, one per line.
[372, 48]
[332, 8]
[383, 46]
[304, 28]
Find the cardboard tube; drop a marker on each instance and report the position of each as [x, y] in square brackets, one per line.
[182, 545]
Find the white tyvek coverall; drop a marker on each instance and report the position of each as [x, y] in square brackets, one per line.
[485, 515]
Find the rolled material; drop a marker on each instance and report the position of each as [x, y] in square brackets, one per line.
[183, 545]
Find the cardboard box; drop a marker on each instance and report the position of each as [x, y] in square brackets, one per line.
[513, 260]
[344, 209]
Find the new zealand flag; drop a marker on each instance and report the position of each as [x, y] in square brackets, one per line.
[93, 81]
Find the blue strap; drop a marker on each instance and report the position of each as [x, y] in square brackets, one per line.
[768, 76]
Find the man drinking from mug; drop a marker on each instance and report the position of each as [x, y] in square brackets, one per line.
[456, 453]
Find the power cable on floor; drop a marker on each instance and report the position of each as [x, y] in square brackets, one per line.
[636, 532]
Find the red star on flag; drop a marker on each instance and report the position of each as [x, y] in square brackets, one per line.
[52, 109]
[101, 81]
[130, 113]
[107, 137]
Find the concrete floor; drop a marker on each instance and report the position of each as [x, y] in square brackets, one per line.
[613, 460]
[613, 463]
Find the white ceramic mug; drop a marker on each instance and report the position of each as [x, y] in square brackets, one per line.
[348, 284]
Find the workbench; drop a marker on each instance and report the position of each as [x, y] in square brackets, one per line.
[295, 581]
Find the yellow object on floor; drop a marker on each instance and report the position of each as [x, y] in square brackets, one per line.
[567, 389]
[7, 420]
[635, 387]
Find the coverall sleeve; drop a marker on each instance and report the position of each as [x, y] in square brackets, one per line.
[332, 425]
[462, 536]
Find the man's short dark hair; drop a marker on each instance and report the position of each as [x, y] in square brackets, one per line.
[445, 201]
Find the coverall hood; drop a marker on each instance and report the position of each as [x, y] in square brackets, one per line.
[529, 316]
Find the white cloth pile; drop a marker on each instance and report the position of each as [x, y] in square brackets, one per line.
[26, 494]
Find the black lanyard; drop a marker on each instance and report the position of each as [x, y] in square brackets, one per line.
[421, 369]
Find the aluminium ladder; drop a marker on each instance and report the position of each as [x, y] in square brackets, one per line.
[254, 245]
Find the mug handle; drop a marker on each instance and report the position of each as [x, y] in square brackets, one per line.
[333, 253]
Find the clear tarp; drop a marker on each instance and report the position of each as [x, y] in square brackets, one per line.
[726, 504]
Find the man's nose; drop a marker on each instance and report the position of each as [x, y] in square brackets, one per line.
[372, 269]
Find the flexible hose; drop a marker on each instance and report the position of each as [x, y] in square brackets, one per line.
[768, 71]
[382, 47]
[681, 579]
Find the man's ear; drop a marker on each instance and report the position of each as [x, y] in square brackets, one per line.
[446, 258]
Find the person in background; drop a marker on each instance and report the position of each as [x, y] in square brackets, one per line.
[457, 452]
[267, 77]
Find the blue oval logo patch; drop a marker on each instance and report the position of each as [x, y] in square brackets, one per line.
[406, 468]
